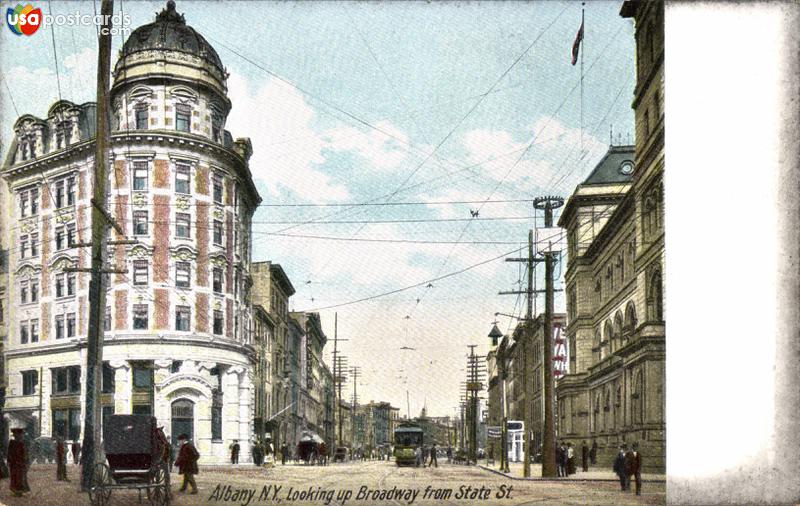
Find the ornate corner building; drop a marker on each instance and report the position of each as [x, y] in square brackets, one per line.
[615, 390]
[178, 323]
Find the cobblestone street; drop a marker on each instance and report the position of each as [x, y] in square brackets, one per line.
[295, 480]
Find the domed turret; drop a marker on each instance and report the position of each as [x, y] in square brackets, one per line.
[170, 48]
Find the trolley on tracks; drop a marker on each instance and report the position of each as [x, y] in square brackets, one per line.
[137, 453]
[408, 437]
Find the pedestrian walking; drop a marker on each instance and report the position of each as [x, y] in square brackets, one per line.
[256, 452]
[570, 459]
[234, 447]
[449, 455]
[593, 453]
[561, 460]
[585, 456]
[433, 462]
[17, 463]
[633, 467]
[418, 455]
[187, 463]
[76, 452]
[284, 451]
[61, 459]
[619, 468]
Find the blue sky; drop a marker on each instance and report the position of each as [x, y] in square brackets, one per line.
[413, 71]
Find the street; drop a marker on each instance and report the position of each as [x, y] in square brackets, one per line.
[363, 482]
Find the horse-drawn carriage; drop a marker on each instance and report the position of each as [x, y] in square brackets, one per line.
[138, 459]
[311, 448]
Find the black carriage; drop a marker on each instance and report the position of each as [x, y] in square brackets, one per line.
[309, 448]
[138, 459]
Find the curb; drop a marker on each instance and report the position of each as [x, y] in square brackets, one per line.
[563, 480]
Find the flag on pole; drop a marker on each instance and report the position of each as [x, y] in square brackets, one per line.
[576, 46]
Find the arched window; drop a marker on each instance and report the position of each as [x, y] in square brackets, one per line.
[648, 216]
[607, 414]
[608, 335]
[655, 309]
[637, 398]
[596, 413]
[630, 322]
[617, 331]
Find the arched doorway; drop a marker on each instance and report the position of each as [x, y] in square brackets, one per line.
[182, 419]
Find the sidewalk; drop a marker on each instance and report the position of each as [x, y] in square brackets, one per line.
[594, 474]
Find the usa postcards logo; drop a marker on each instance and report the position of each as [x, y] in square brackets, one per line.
[23, 20]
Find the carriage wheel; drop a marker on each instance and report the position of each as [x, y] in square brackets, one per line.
[158, 491]
[99, 493]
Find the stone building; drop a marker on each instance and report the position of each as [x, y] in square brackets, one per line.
[615, 390]
[271, 290]
[263, 343]
[177, 324]
[5, 207]
[311, 384]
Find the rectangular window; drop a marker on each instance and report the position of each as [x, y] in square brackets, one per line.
[70, 235]
[217, 189]
[23, 246]
[60, 285]
[67, 423]
[182, 223]
[140, 223]
[34, 245]
[23, 332]
[218, 323]
[140, 275]
[140, 176]
[217, 279]
[61, 235]
[66, 380]
[30, 379]
[34, 196]
[34, 291]
[108, 379]
[59, 194]
[142, 377]
[23, 292]
[216, 422]
[218, 232]
[71, 283]
[182, 179]
[107, 320]
[60, 326]
[70, 324]
[141, 117]
[140, 317]
[182, 274]
[182, 318]
[183, 114]
[216, 127]
[71, 191]
[23, 204]
[34, 331]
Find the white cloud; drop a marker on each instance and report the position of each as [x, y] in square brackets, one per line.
[381, 151]
[287, 151]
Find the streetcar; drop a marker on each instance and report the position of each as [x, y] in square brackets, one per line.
[407, 440]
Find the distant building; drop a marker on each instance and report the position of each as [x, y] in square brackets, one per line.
[615, 389]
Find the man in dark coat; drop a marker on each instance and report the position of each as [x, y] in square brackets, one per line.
[187, 463]
[633, 467]
[17, 463]
[258, 453]
[585, 456]
[284, 451]
[619, 468]
[76, 452]
[61, 459]
[433, 462]
[235, 452]
[561, 460]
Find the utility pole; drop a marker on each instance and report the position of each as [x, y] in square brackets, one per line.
[338, 378]
[530, 260]
[100, 222]
[548, 204]
[354, 371]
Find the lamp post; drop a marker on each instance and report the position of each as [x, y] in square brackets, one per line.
[495, 334]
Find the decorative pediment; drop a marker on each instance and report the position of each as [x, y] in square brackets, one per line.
[219, 260]
[139, 199]
[62, 261]
[27, 270]
[30, 225]
[183, 253]
[64, 217]
[183, 94]
[140, 93]
[182, 202]
[140, 251]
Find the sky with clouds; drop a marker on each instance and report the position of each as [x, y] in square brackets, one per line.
[389, 103]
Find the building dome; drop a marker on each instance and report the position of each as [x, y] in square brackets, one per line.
[170, 32]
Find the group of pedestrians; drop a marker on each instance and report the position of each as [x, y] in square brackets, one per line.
[427, 456]
[565, 459]
[627, 465]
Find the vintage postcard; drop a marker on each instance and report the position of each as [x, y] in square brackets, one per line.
[340, 253]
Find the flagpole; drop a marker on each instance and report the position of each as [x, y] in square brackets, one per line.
[583, 42]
